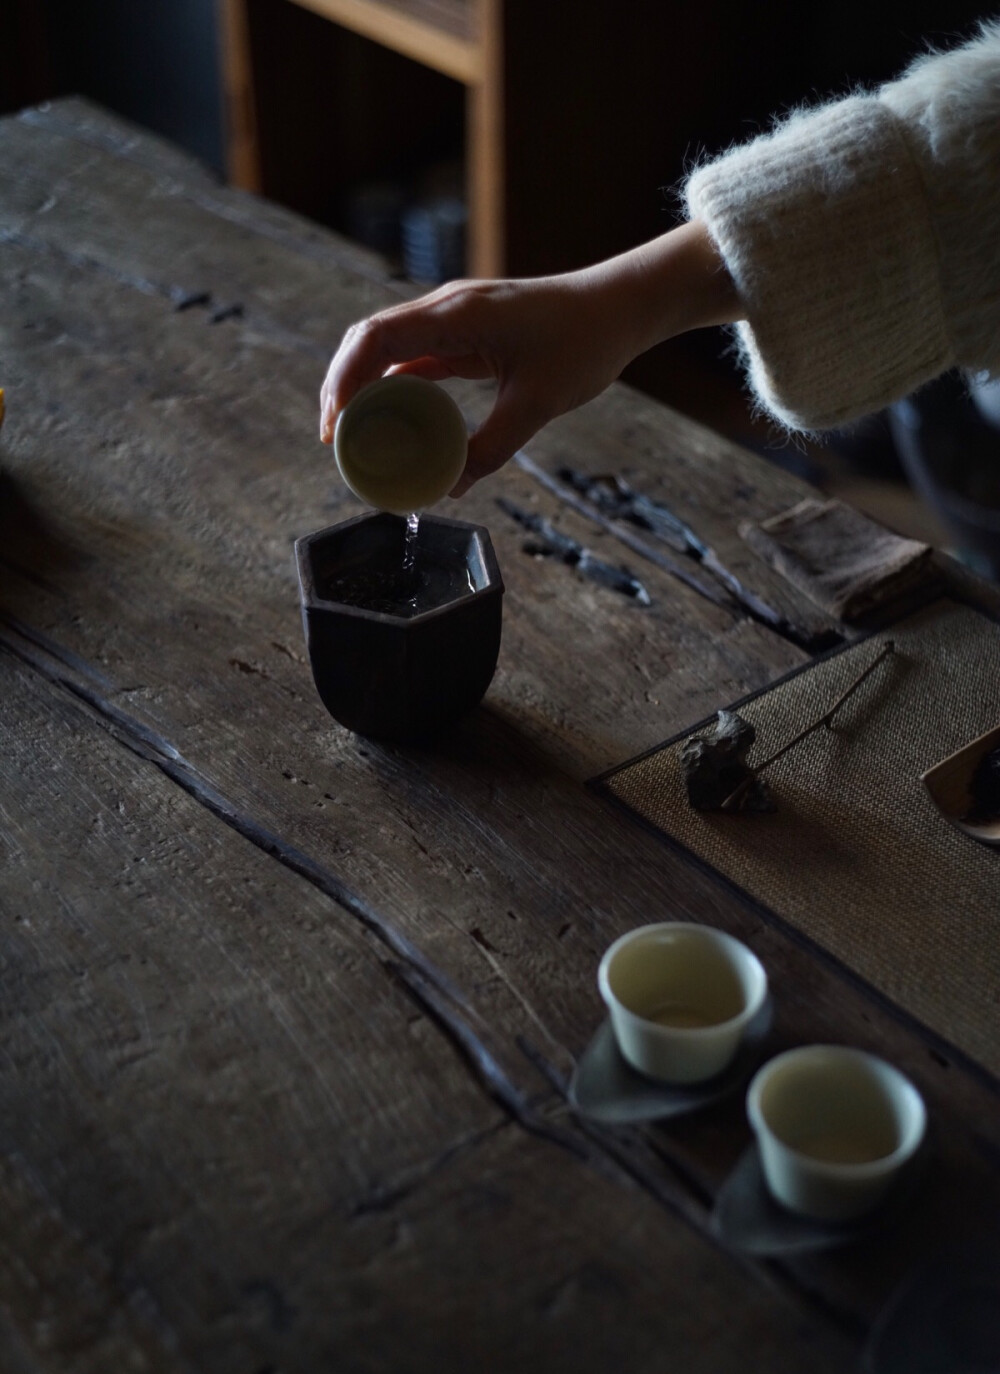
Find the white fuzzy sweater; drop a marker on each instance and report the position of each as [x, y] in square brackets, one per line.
[864, 239]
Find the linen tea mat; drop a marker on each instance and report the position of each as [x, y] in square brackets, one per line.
[856, 857]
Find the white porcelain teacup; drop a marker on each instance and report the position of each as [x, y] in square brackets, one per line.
[401, 443]
[680, 998]
[834, 1126]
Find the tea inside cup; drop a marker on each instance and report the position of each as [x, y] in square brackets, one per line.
[834, 1126]
[680, 998]
[401, 444]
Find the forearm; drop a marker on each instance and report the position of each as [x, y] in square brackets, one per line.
[665, 287]
[550, 343]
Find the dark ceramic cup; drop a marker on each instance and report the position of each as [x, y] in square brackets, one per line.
[400, 676]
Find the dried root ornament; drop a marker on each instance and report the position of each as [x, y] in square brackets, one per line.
[715, 768]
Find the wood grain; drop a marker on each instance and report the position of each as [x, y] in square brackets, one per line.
[336, 931]
[279, 1158]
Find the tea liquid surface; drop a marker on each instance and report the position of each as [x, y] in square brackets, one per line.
[418, 582]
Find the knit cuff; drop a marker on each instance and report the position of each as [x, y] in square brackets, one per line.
[948, 106]
[826, 232]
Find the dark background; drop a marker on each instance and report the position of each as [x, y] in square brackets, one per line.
[157, 61]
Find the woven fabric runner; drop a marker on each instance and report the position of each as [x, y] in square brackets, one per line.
[857, 857]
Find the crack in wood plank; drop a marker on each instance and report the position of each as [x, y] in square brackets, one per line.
[16, 238]
[149, 745]
[731, 595]
[385, 1197]
[491, 956]
[491, 1075]
[617, 1156]
[570, 551]
[433, 989]
[54, 650]
[710, 591]
[430, 987]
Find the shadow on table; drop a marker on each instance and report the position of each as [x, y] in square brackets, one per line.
[32, 545]
[489, 744]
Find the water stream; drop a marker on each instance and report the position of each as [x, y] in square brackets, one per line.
[410, 550]
[404, 589]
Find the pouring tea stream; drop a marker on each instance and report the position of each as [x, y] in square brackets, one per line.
[403, 640]
[400, 445]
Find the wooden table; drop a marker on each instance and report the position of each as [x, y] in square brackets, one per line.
[287, 1015]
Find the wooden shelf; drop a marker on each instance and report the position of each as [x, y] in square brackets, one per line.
[567, 125]
[441, 36]
[456, 39]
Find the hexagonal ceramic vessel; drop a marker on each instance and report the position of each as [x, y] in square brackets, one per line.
[400, 677]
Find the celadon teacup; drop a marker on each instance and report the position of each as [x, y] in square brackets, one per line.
[680, 997]
[834, 1127]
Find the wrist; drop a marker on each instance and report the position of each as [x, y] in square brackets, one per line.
[665, 287]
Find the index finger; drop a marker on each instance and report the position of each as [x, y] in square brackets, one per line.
[412, 331]
[405, 334]
[356, 363]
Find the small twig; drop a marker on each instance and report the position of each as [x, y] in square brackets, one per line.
[736, 796]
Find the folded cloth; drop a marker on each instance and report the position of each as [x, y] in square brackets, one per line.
[843, 561]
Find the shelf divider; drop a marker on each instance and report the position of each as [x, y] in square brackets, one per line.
[436, 47]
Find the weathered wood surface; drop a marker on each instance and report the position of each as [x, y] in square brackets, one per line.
[287, 1014]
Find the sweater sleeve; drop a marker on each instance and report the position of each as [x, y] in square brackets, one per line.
[864, 240]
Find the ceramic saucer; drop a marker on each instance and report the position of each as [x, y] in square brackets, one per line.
[748, 1218]
[606, 1088]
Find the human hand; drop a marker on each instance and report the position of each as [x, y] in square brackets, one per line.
[542, 340]
[550, 343]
